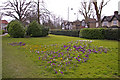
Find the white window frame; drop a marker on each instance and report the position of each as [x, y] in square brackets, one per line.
[115, 22]
[105, 23]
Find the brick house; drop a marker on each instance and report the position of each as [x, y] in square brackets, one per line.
[77, 25]
[3, 24]
[92, 23]
[111, 21]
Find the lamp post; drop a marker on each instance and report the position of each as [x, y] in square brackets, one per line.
[69, 12]
[68, 17]
[76, 15]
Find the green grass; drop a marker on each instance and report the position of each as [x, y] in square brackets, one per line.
[17, 62]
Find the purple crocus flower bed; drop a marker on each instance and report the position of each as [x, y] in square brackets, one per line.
[58, 59]
[17, 44]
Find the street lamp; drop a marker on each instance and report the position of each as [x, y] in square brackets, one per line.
[76, 15]
[69, 12]
[68, 17]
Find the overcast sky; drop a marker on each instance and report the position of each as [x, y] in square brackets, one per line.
[60, 8]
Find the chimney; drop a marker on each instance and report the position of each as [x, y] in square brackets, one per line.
[116, 13]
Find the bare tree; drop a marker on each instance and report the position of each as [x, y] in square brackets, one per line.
[18, 9]
[87, 11]
[98, 10]
[42, 12]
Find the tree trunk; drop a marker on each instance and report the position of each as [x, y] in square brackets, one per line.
[99, 23]
[38, 13]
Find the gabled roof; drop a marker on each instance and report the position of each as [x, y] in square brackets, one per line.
[3, 21]
[110, 18]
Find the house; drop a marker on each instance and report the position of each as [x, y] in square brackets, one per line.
[111, 21]
[91, 21]
[77, 25]
[3, 24]
[66, 25]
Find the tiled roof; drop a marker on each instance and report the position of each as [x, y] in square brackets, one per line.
[3, 21]
[110, 18]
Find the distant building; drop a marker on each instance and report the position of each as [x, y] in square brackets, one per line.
[111, 21]
[66, 25]
[91, 21]
[3, 24]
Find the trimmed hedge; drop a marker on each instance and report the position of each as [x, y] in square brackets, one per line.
[74, 33]
[92, 33]
[112, 34]
[100, 33]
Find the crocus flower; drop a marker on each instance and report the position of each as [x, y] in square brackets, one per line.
[90, 50]
[39, 58]
[61, 72]
[74, 46]
[79, 60]
[105, 51]
[53, 63]
[20, 42]
[37, 51]
[68, 49]
[56, 72]
[65, 46]
[86, 55]
[23, 44]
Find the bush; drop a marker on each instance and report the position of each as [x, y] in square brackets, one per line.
[3, 31]
[36, 30]
[15, 29]
[92, 33]
[100, 33]
[74, 33]
[45, 31]
[9, 24]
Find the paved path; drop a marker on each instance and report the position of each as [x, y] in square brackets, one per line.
[4, 34]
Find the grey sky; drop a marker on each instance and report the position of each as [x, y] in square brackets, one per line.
[60, 8]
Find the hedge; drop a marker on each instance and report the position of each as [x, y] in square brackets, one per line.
[100, 33]
[74, 33]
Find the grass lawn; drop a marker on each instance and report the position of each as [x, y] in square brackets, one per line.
[23, 62]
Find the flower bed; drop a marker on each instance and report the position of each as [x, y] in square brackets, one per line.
[64, 58]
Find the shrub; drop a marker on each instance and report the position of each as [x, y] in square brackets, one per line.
[100, 33]
[36, 30]
[2, 31]
[15, 29]
[45, 30]
[74, 33]
[9, 24]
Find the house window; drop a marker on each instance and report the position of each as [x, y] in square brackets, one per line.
[105, 23]
[114, 22]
